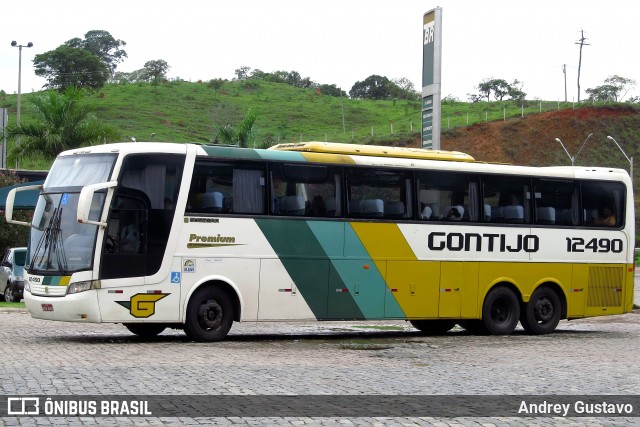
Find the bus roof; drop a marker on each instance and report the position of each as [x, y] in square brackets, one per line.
[375, 150]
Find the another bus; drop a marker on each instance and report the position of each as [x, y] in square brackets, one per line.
[195, 237]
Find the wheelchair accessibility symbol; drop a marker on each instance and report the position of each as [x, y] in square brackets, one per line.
[175, 277]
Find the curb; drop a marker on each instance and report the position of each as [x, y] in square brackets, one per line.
[13, 310]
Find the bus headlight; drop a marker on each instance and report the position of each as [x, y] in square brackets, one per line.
[77, 287]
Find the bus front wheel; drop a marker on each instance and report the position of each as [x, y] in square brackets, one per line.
[145, 330]
[541, 314]
[433, 327]
[500, 311]
[209, 315]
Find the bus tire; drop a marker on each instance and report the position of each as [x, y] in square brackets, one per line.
[145, 330]
[500, 311]
[209, 315]
[542, 313]
[433, 327]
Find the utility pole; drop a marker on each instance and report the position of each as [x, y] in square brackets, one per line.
[581, 42]
[564, 70]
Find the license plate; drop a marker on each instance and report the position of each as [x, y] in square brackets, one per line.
[47, 307]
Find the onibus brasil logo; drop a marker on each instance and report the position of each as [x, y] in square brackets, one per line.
[142, 305]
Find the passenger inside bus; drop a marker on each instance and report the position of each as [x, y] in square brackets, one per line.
[318, 207]
[606, 217]
[454, 213]
[129, 236]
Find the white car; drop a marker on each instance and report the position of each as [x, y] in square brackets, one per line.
[12, 274]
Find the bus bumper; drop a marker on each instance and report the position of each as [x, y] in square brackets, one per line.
[80, 307]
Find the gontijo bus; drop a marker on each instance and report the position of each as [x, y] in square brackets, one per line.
[157, 235]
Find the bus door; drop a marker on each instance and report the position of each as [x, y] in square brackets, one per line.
[135, 241]
[125, 249]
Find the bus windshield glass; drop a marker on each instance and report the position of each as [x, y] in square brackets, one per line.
[58, 243]
[74, 172]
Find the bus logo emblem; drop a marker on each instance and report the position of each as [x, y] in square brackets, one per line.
[142, 305]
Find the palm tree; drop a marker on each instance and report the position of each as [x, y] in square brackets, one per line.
[62, 123]
[240, 135]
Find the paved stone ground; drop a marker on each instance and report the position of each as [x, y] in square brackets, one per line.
[585, 357]
[590, 356]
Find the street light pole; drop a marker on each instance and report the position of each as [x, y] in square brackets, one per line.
[19, 46]
[567, 151]
[630, 159]
[573, 158]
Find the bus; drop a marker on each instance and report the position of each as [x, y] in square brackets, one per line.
[196, 237]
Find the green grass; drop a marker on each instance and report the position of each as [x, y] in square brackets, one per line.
[12, 304]
[192, 112]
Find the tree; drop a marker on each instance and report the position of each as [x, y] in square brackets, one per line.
[242, 73]
[63, 123]
[103, 45]
[331, 90]
[500, 88]
[216, 84]
[407, 89]
[373, 87]
[69, 66]
[156, 70]
[515, 91]
[12, 235]
[615, 88]
[239, 135]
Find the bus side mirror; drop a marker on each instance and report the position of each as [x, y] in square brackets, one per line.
[11, 198]
[86, 198]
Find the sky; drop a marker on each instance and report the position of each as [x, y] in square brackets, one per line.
[343, 41]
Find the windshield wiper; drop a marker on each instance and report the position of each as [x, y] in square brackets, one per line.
[50, 241]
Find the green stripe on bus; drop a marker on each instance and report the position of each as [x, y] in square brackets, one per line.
[253, 154]
[308, 264]
[232, 152]
[286, 156]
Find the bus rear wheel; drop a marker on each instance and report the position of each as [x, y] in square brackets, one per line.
[500, 311]
[542, 313]
[433, 327]
[145, 330]
[209, 315]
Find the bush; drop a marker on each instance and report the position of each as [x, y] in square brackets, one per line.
[13, 235]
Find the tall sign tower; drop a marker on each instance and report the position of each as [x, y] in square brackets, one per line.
[431, 73]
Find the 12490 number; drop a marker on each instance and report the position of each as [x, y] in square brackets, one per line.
[577, 244]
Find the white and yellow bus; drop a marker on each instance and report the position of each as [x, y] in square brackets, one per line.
[157, 235]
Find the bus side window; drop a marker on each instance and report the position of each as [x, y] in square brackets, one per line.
[506, 201]
[375, 193]
[603, 203]
[447, 196]
[556, 202]
[226, 187]
[305, 190]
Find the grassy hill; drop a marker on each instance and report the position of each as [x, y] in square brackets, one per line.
[184, 111]
[492, 132]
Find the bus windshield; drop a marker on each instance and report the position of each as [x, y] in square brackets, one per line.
[58, 243]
